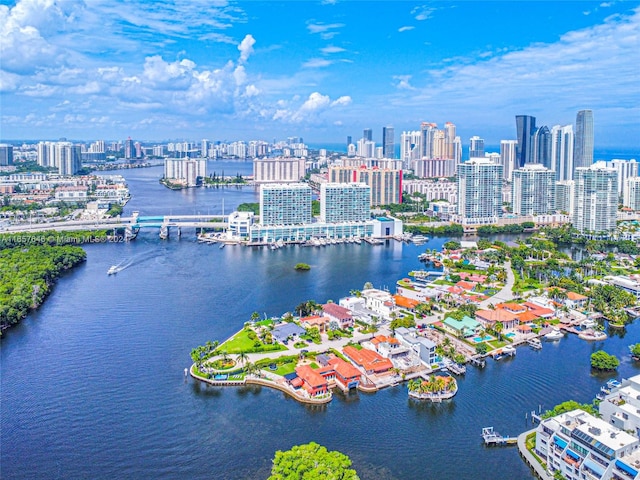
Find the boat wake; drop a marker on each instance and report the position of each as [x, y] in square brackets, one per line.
[135, 260]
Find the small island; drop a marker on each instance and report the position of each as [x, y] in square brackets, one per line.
[601, 360]
[302, 267]
[435, 389]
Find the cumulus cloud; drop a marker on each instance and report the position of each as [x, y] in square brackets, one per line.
[246, 48]
[310, 110]
[423, 12]
[343, 100]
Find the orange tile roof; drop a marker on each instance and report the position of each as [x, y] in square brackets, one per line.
[345, 369]
[382, 338]
[405, 302]
[513, 307]
[368, 359]
[496, 315]
[527, 317]
[466, 285]
[315, 320]
[310, 376]
[575, 296]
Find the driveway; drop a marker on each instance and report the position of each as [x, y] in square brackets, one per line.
[505, 294]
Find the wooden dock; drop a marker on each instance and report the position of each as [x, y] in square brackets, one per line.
[493, 438]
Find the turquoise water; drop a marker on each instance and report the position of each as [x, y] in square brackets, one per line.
[482, 339]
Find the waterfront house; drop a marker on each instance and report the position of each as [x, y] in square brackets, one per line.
[405, 302]
[346, 375]
[388, 347]
[316, 321]
[368, 360]
[489, 318]
[575, 300]
[472, 277]
[582, 446]
[379, 301]
[621, 407]
[540, 309]
[339, 314]
[467, 327]
[286, 331]
[464, 285]
[514, 308]
[314, 383]
[359, 311]
[423, 347]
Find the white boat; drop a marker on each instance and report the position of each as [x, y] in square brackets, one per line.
[535, 343]
[419, 239]
[112, 270]
[554, 334]
[509, 350]
[588, 323]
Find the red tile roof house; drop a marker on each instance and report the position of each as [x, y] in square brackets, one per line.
[340, 314]
[314, 383]
[468, 286]
[315, 321]
[346, 375]
[575, 300]
[514, 308]
[370, 361]
[539, 311]
[490, 317]
[472, 277]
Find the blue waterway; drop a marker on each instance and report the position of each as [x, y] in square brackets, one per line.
[92, 384]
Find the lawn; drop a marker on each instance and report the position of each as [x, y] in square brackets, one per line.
[285, 369]
[496, 344]
[241, 342]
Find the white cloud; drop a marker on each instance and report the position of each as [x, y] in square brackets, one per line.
[317, 63]
[344, 100]
[246, 48]
[326, 30]
[332, 49]
[406, 28]
[403, 82]
[423, 12]
[217, 37]
[8, 81]
[251, 91]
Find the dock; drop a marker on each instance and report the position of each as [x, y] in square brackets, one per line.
[478, 362]
[493, 438]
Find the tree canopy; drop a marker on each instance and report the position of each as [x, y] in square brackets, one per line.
[601, 360]
[311, 462]
[569, 406]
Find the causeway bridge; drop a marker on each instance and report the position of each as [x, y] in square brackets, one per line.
[130, 225]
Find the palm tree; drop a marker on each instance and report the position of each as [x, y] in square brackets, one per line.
[498, 329]
[255, 316]
[242, 358]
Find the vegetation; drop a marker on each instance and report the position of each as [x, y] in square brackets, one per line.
[601, 360]
[435, 384]
[635, 351]
[482, 348]
[453, 230]
[249, 207]
[406, 322]
[569, 406]
[28, 274]
[247, 341]
[115, 210]
[486, 230]
[302, 267]
[311, 462]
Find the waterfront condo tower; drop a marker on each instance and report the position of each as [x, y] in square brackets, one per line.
[533, 190]
[345, 202]
[285, 204]
[476, 147]
[562, 152]
[583, 152]
[385, 183]
[479, 191]
[508, 157]
[596, 199]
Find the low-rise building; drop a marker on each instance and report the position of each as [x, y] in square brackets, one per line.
[379, 301]
[627, 283]
[621, 408]
[489, 318]
[339, 314]
[423, 347]
[287, 331]
[314, 383]
[368, 360]
[582, 446]
[467, 327]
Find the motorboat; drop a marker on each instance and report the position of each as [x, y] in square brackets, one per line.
[112, 270]
[554, 334]
[419, 239]
[610, 386]
[588, 323]
[535, 343]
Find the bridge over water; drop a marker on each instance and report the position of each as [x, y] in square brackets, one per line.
[130, 225]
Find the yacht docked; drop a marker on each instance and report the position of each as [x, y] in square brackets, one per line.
[419, 239]
[554, 334]
[535, 343]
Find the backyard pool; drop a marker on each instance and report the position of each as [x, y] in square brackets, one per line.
[482, 339]
[510, 335]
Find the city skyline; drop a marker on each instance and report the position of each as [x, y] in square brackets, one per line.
[331, 69]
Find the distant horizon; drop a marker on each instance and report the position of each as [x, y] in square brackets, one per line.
[221, 69]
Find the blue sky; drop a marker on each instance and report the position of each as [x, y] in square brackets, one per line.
[321, 70]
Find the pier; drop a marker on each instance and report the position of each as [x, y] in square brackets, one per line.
[493, 438]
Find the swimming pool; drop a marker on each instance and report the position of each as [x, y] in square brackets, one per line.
[510, 335]
[481, 339]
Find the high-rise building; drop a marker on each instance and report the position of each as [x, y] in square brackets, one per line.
[129, 149]
[533, 190]
[366, 148]
[345, 202]
[562, 152]
[349, 141]
[367, 134]
[508, 157]
[565, 196]
[278, 170]
[596, 198]
[541, 145]
[479, 191]
[476, 147]
[187, 170]
[434, 167]
[285, 204]
[625, 169]
[388, 143]
[583, 152]
[525, 128]
[6, 154]
[204, 148]
[631, 197]
[409, 148]
[427, 131]
[385, 184]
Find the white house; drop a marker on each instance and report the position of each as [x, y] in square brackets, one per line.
[621, 407]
